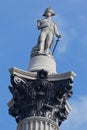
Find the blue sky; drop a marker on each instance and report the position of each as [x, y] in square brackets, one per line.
[18, 34]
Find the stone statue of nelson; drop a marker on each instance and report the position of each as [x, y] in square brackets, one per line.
[48, 29]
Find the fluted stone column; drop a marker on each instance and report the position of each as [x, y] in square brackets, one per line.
[37, 123]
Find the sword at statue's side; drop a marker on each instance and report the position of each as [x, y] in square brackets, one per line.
[55, 46]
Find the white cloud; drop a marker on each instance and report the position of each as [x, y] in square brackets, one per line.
[78, 118]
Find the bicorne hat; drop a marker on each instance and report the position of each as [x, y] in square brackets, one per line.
[49, 10]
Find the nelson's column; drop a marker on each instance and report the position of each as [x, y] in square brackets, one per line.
[40, 95]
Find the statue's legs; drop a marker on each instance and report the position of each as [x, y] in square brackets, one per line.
[42, 39]
[48, 42]
[45, 41]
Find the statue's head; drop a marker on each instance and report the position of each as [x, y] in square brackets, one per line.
[49, 10]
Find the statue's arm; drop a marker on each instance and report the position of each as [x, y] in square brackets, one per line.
[56, 31]
[41, 23]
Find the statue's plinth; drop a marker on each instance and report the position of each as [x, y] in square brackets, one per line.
[37, 123]
[42, 61]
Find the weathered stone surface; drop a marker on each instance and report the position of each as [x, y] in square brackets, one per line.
[33, 75]
[40, 96]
